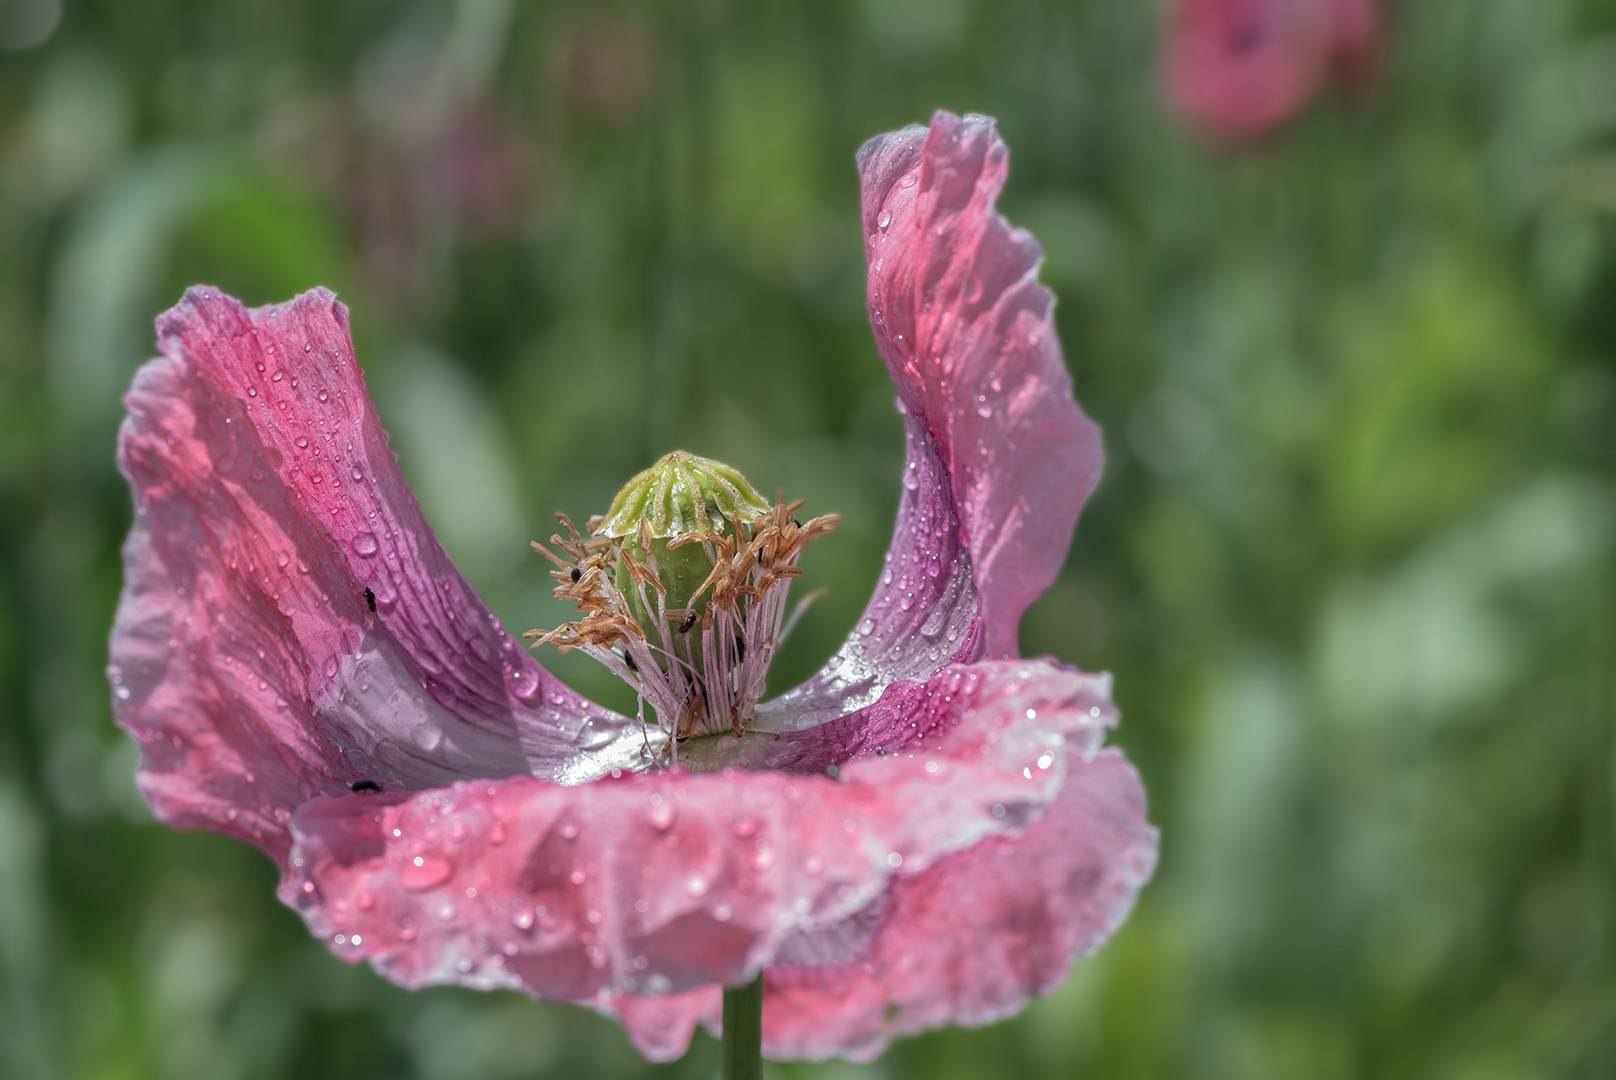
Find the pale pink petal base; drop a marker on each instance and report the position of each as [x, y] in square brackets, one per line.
[657, 884]
[971, 939]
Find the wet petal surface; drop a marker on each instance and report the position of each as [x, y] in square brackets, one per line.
[1000, 458]
[289, 624]
[657, 884]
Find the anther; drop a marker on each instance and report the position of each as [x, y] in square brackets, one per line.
[692, 565]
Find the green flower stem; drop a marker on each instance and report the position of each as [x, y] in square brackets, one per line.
[743, 1032]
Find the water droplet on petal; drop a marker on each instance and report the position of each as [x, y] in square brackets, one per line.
[662, 813]
[425, 872]
[884, 221]
[365, 544]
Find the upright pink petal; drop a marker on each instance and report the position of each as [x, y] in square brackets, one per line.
[968, 335]
[270, 516]
[1000, 458]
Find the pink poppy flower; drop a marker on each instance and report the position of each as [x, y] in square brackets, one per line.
[1236, 70]
[925, 832]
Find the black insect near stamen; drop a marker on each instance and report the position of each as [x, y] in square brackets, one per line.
[684, 627]
[366, 787]
[576, 574]
[629, 660]
[740, 649]
[370, 601]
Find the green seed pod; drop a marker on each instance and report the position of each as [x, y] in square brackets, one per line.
[681, 495]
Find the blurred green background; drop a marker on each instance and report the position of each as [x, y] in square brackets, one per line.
[1350, 561]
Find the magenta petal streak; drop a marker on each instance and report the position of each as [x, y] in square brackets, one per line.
[972, 838]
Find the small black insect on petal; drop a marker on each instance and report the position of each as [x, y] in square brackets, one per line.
[366, 787]
[576, 574]
[684, 627]
[370, 601]
[797, 522]
[628, 659]
[740, 650]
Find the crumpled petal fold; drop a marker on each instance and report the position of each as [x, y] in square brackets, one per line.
[658, 884]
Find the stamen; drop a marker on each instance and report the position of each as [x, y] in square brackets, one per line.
[682, 588]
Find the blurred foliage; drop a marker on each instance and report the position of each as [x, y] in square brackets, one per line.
[1351, 562]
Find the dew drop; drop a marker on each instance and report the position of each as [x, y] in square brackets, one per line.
[301, 441]
[522, 919]
[365, 544]
[425, 872]
[867, 626]
[662, 813]
[323, 395]
[884, 221]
